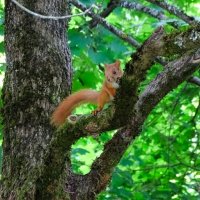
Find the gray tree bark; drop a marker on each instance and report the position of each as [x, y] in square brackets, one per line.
[36, 163]
[38, 72]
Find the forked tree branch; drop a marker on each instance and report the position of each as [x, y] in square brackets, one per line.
[174, 74]
[114, 117]
[166, 45]
[68, 134]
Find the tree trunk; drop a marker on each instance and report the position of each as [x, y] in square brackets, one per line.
[38, 71]
[39, 75]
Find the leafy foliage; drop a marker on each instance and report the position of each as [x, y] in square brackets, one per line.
[163, 162]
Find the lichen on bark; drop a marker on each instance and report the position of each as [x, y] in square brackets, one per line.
[36, 161]
[38, 68]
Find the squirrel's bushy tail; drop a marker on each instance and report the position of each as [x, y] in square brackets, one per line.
[65, 108]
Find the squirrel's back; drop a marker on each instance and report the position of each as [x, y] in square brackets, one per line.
[65, 108]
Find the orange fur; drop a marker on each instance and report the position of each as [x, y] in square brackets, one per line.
[112, 75]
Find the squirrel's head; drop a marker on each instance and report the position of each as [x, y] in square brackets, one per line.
[113, 73]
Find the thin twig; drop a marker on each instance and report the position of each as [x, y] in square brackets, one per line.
[110, 7]
[106, 25]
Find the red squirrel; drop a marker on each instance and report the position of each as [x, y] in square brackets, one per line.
[113, 73]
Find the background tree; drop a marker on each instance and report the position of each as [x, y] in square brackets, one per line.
[163, 162]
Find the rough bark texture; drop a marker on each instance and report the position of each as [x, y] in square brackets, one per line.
[36, 162]
[38, 71]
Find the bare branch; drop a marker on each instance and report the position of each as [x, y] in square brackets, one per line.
[110, 7]
[106, 25]
[176, 11]
[174, 73]
[129, 5]
[152, 12]
[136, 6]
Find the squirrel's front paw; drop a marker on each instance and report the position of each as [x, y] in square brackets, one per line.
[95, 112]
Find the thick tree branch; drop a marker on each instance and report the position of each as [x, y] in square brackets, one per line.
[68, 134]
[140, 62]
[181, 42]
[114, 118]
[135, 72]
[173, 75]
[103, 122]
[176, 11]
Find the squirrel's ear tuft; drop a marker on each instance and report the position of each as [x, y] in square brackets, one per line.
[106, 65]
[117, 63]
